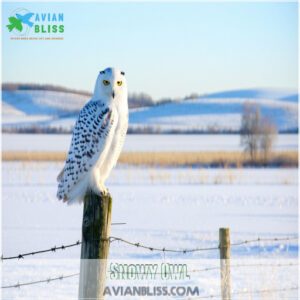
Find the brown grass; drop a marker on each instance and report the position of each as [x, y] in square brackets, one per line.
[217, 159]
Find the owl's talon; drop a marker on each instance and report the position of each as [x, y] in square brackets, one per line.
[105, 193]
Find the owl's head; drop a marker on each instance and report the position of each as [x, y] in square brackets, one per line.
[111, 85]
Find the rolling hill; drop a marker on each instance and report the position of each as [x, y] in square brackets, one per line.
[49, 110]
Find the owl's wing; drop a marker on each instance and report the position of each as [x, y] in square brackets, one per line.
[92, 133]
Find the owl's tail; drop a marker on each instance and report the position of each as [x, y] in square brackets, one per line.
[60, 175]
[77, 192]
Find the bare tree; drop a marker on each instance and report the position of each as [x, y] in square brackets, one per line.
[250, 129]
[257, 132]
[268, 133]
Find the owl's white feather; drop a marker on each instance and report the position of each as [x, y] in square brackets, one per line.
[97, 140]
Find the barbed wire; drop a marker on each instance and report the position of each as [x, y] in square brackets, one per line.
[53, 249]
[208, 269]
[265, 291]
[264, 240]
[139, 245]
[184, 251]
[265, 265]
[18, 285]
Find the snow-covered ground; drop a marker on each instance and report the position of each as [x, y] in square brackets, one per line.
[34, 102]
[220, 111]
[148, 143]
[176, 208]
[213, 114]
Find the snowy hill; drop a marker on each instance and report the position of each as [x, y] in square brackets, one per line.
[25, 108]
[216, 113]
[34, 102]
[274, 94]
[213, 112]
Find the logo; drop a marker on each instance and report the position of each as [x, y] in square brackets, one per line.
[24, 24]
[20, 21]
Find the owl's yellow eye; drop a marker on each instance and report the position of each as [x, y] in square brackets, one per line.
[119, 83]
[105, 82]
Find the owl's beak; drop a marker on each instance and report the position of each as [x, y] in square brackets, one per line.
[113, 94]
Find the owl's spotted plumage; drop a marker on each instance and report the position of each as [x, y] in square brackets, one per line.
[97, 140]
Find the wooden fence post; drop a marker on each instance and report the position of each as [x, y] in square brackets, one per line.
[224, 239]
[96, 224]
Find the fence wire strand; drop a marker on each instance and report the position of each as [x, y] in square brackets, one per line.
[184, 251]
[139, 245]
[264, 291]
[53, 249]
[211, 269]
[18, 285]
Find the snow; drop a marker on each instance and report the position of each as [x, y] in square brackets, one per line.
[34, 102]
[177, 208]
[40, 108]
[214, 114]
[140, 142]
[277, 94]
[219, 111]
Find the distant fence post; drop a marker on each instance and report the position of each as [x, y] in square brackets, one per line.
[96, 224]
[224, 240]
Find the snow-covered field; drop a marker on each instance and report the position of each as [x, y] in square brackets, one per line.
[36, 102]
[213, 114]
[176, 208]
[221, 111]
[148, 143]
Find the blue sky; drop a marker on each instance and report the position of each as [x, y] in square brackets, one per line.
[166, 49]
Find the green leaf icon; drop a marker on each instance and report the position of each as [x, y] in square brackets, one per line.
[14, 23]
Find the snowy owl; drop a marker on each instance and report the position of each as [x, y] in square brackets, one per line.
[97, 140]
